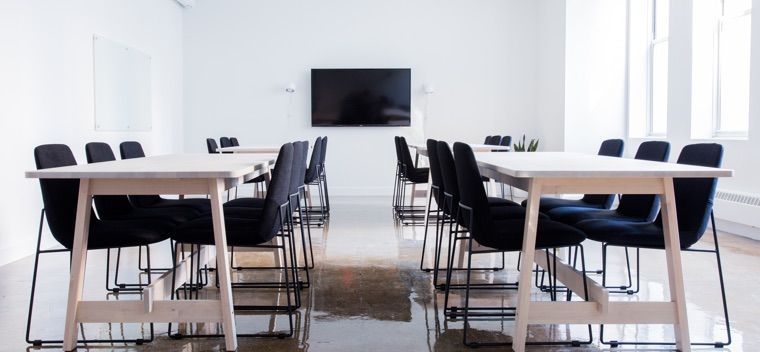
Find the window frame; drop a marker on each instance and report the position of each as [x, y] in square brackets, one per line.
[653, 41]
[716, 120]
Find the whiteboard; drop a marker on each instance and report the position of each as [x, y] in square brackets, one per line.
[122, 87]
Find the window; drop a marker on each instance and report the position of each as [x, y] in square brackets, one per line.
[731, 118]
[648, 68]
[720, 68]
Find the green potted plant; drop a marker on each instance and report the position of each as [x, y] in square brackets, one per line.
[521, 147]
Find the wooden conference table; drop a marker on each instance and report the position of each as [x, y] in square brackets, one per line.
[572, 173]
[209, 174]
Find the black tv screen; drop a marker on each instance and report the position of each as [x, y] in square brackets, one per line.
[361, 97]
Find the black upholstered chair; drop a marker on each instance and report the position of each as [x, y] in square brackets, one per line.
[59, 197]
[258, 228]
[489, 233]
[119, 207]
[225, 142]
[410, 175]
[211, 146]
[313, 177]
[234, 142]
[449, 198]
[694, 201]
[495, 140]
[487, 140]
[323, 176]
[506, 141]
[434, 193]
[610, 147]
[132, 150]
[632, 207]
[299, 211]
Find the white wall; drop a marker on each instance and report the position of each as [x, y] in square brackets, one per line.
[46, 90]
[239, 55]
[551, 74]
[595, 71]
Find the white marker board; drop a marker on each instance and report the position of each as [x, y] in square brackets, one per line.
[122, 87]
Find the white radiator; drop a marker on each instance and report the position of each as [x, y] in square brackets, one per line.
[738, 207]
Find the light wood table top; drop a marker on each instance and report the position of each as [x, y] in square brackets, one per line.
[565, 164]
[164, 166]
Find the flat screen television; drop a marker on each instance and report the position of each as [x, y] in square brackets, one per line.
[361, 97]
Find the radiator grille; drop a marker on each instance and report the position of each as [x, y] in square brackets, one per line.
[738, 197]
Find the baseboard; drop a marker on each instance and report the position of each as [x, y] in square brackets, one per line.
[11, 254]
[738, 229]
[361, 191]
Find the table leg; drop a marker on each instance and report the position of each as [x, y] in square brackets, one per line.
[427, 195]
[216, 189]
[414, 185]
[526, 267]
[675, 269]
[78, 264]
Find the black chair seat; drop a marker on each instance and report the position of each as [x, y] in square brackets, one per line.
[633, 234]
[508, 212]
[197, 204]
[127, 233]
[507, 235]
[418, 175]
[496, 201]
[240, 232]
[246, 203]
[547, 204]
[574, 215]
[175, 215]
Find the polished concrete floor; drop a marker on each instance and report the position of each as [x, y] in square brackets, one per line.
[368, 294]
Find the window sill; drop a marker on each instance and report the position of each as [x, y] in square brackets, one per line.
[653, 137]
[724, 138]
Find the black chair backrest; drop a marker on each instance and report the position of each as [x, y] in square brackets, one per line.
[108, 207]
[610, 147]
[277, 193]
[644, 206]
[471, 192]
[487, 140]
[406, 157]
[313, 171]
[398, 149]
[234, 142]
[506, 141]
[323, 154]
[694, 196]
[211, 146]
[98, 152]
[300, 153]
[448, 176]
[225, 142]
[435, 170]
[59, 196]
[131, 150]
[495, 140]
